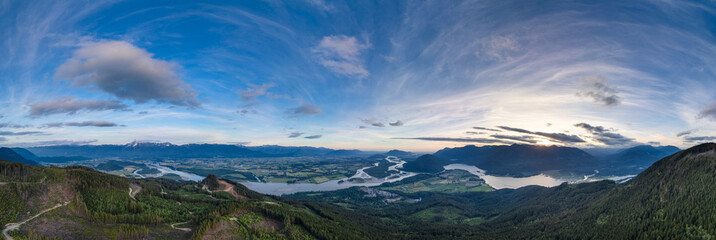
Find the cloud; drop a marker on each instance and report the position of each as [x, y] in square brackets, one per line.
[487, 129]
[305, 109]
[500, 48]
[70, 105]
[8, 133]
[448, 139]
[143, 112]
[341, 54]
[396, 123]
[604, 135]
[295, 134]
[362, 127]
[10, 125]
[653, 143]
[687, 132]
[708, 112]
[700, 138]
[99, 123]
[523, 138]
[600, 91]
[56, 142]
[560, 137]
[374, 123]
[2, 139]
[313, 136]
[475, 133]
[254, 92]
[127, 72]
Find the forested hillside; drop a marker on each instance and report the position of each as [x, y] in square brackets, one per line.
[94, 205]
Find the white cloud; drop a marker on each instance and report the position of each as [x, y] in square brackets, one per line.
[342, 54]
[127, 72]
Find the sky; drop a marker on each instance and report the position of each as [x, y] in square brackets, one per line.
[372, 75]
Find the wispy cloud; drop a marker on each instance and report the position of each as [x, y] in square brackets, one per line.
[600, 91]
[700, 139]
[313, 136]
[305, 109]
[10, 125]
[450, 139]
[255, 91]
[604, 135]
[127, 72]
[487, 129]
[396, 123]
[342, 54]
[687, 132]
[559, 137]
[72, 105]
[523, 138]
[708, 112]
[295, 134]
[8, 133]
[99, 123]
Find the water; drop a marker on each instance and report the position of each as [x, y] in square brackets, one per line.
[366, 181]
[165, 170]
[507, 182]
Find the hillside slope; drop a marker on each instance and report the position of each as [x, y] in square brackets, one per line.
[94, 205]
[12, 156]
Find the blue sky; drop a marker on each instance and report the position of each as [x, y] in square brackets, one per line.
[414, 75]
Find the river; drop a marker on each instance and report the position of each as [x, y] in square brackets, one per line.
[362, 179]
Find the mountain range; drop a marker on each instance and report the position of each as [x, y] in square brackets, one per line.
[511, 160]
[671, 199]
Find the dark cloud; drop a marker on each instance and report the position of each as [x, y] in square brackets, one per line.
[304, 110]
[362, 127]
[313, 136]
[295, 134]
[127, 72]
[653, 143]
[708, 112]
[396, 123]
[143, 112]
[599, 90]
[254, 92]
[486, 129]
[8, 133]
[687, 132]
[519, 130]
[700, 138]
[99, 123]
[447, 139]
[560, 137]
[523, 138]
[70, 105]
[475, 133]
[604, 135]
[10, 125]
[378, 124]
[2, 139]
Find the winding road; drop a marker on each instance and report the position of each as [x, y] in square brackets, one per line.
[14, 226]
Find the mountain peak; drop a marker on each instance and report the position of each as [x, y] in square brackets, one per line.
[143, 143]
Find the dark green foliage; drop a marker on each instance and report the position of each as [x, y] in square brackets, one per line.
[381, 170]
[211, 181]
[426, 163]
[114, 165]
